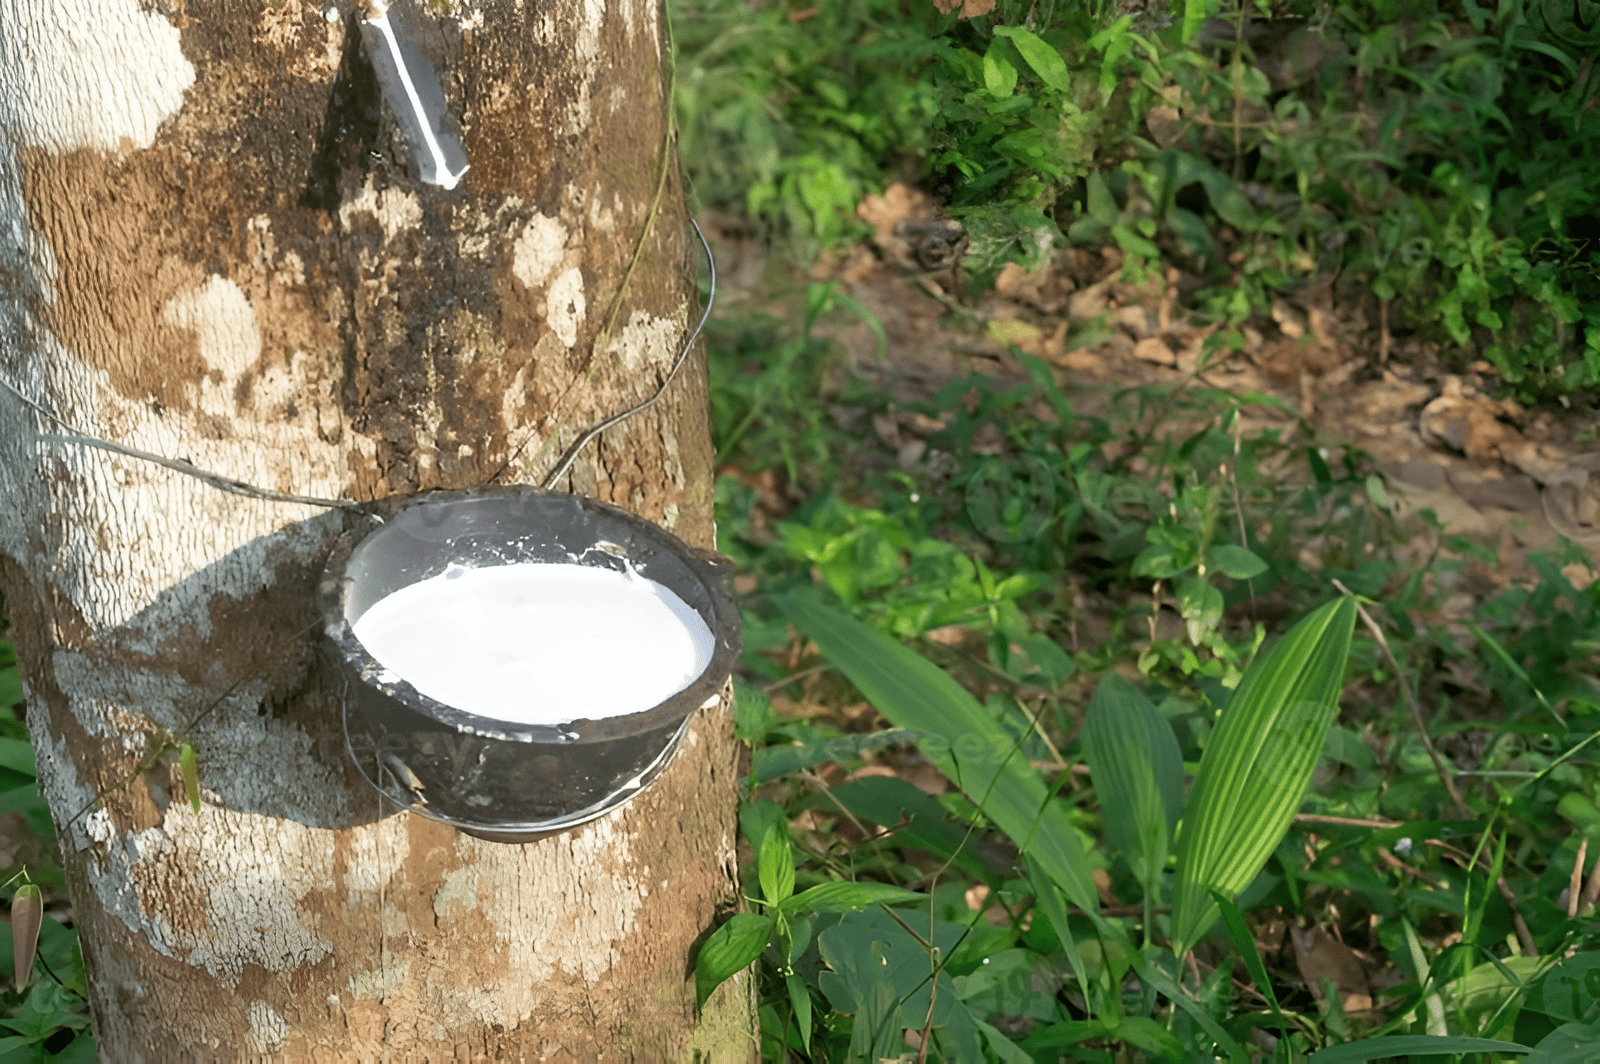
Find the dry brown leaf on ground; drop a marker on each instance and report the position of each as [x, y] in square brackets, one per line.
[1166, 126]
[1287, 359]
[1044, 290]
[1570, 482]
[1136, 320]
[1468, 423]
[1154, 349]
[1320, 956]
[969, 8]
[1091, 301]
[872, 769]
[1079, 360]
[1290, 321]
[1573, 508]
[1380, 402]
[899, 203]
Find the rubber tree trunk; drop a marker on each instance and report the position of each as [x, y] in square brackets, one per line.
[214, 245]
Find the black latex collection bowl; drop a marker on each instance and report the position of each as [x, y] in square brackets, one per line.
[496, 779]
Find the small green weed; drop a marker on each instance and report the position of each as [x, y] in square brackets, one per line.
[47, 1020]
[766, 389]
[1447, 163]
[792, 115]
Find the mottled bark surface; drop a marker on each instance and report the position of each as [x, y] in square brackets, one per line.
[212, 247]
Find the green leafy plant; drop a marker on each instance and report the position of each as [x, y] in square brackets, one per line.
[765, 388]
[1138, 776]
[1003, 112]
[1291, 689]
[47, 1017]
[788, 918]
[1257, 765]
[1442, 160]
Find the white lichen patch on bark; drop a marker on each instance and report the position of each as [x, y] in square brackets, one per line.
[639, 14]
[379, 983]
[117, 563]
[459, 891]
[538, 251]
[268, 1028]
[193, 892]
[88, 74]
[268, 765]
[395, 209]
[547, 255]
[96, 74]
[565, 306]
[100, 689]
[591, 15]
[377, 853]
[515, 398]
[467, 16]
[121, 569]
[648, 340]
[603, 219]
[280, 27]
[229, 338]
[586, 45]
[672, 460]
[61, 787]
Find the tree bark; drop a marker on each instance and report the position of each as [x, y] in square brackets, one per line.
[212, 246]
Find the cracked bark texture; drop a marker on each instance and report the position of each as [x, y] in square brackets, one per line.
[212, 247]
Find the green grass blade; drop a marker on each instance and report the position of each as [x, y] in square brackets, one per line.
[1055, 911]
[1245, 943]
[844, 897]
[1403, 1045]
[1486, 640]
[959, 736]
[1164, 985]
[1255, 769]
[1137, 770]
[800, 1001]
[1144, 1033]
[1431, 999]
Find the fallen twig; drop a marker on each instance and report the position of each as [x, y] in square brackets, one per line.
[1394, 862]
[1318, 818]
[1591, 890]
[1575, 888]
